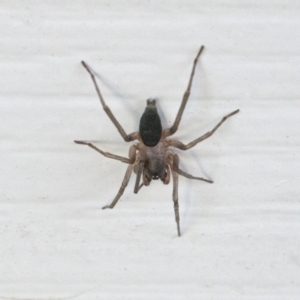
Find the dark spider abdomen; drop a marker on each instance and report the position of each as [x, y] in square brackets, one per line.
[150, 125]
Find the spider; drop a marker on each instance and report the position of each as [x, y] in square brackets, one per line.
[152, 158]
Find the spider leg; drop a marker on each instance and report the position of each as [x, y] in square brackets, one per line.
[127, 137]
[138, 176]
[122, 188]
[175, 194]
[189, 176]
[173, 129]
[141, 185]
[106, 154]
[182, 146]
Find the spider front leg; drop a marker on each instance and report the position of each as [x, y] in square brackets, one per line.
[182, 146]
[173, 161]
[174, 166]
[127, 137]
[130, 168]
[122, 188]
[173, 129]
[140, 167]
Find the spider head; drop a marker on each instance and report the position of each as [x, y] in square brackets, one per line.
[155, 172]
[148, 176]
[150, 125]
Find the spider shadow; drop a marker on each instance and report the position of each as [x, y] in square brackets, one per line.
[201, 89]
[189, 200]
[117, 93]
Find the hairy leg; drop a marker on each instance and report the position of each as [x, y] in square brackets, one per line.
[182, 146]
[140, 168]
[122, 188]
[127, 137]
[173, 129]
[189, 176]
[174, 166]
[106, 154]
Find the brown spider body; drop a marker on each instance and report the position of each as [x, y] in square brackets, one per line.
[151, 158]
[153, 147]
[155, 162]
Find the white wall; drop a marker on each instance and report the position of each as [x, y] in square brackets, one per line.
[240, 236]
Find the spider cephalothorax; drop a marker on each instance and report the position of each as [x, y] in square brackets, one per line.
[151, 158]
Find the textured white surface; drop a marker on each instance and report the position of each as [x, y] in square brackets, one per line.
[241, 235]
